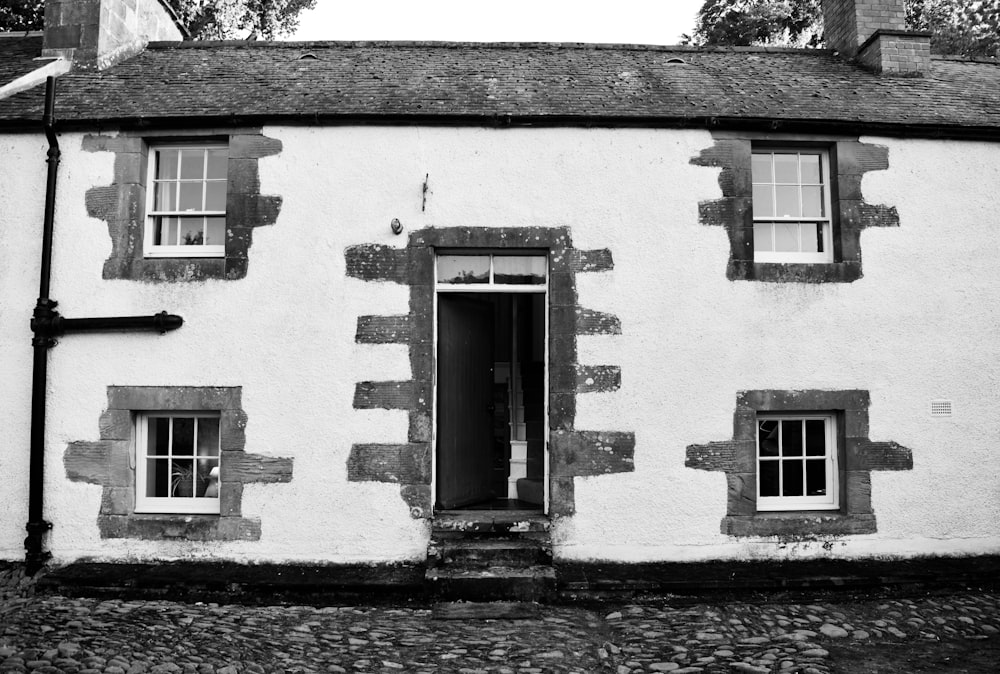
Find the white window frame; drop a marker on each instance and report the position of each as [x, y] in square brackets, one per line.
[828, 501]
[826, 220]
[169, 504]
[198, 250]
[491, 286]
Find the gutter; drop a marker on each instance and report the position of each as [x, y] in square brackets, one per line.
[936, 131]
[47, 324]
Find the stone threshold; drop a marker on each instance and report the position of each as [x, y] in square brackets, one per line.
[231, 582]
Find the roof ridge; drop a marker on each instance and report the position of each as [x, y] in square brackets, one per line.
[442, 44]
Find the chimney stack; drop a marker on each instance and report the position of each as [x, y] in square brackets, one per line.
[100, 33]
[873, 32]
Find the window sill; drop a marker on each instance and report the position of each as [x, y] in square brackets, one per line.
[153, 527]
[797, 272]
[799, 523]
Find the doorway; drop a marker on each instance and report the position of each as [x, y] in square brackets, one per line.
[491, 382]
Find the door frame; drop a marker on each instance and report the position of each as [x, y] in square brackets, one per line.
[492, 288]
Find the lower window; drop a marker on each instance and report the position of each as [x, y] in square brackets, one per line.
[177, 462]
[797, 462]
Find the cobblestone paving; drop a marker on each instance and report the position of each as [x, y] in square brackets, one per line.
[54, 635]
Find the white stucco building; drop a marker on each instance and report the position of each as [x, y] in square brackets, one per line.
[664, 304]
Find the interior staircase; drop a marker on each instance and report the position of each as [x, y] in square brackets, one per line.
[484, 555]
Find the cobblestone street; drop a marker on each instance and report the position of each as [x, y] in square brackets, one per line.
[51, 634]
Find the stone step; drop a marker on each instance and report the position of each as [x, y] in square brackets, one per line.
[493, 522]
[486, 552]
[499, 583]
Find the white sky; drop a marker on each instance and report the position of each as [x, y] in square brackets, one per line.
[617, 21]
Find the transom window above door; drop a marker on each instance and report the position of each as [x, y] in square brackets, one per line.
[463, 270]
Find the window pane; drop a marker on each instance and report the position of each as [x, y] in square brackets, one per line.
[463, 269]
[158, 437]
[164, 231]
[812, 237]
[183, 435]
[191, 231]
[769, 478]
[760, 168]
[792, 474]
[787, 201]
[215, 231]
[207, 483]
[810, 168]
[190, 198]
[208, 436]
[524, 270]
[192, 164]
[763, 201]
[182, 478]
[165, 197]
[762, 237]
[786, 237]
[815, 478]
[218, 163]
[791, 437]
[166, 164]
[812, 201]
[215, 196]
[815, 437]
[157, 477]
[768, 438]
[786, 168]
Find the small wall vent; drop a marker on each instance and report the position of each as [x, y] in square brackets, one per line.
[940, 408]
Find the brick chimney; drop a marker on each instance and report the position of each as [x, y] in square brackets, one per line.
[100, 33]
[873, 32]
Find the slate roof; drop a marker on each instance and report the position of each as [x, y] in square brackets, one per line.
[334, 82]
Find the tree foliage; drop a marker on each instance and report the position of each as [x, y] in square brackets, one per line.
[758, 22]
[965, 27]
[205, 19]
[229, 19]
[21, 15]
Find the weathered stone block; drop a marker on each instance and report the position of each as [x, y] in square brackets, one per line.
[245, 468]
[87, 461]
[713, 456]
[373, 262]
[585, 453]
[404, 463]
[591, 260]
[590, 322]
[418, 498]
[390, 395]
[383, 330]
[598, 378]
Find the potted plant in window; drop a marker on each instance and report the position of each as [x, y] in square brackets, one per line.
[181, 482]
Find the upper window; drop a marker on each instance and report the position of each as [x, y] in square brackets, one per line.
[797, 462]
[791, 206]
[487, 271]
[186, 210]
[177, 463]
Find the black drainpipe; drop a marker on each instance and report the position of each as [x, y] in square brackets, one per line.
[47, 324]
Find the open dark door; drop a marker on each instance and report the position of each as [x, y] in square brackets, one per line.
[465, 400]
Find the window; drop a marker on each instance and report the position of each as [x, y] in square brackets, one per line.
[186, 211]
[496, 269]
[797, 463]
[177, 463]
[791, 206]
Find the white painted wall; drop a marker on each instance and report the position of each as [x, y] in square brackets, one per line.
[922, 324]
